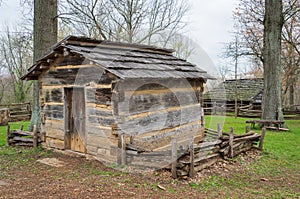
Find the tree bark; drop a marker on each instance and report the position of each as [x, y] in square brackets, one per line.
[273, 22]
[44, 36]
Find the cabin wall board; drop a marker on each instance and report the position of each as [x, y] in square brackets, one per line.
[154, 111]
[99, 112]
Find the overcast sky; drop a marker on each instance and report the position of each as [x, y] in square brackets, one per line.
[209, 25]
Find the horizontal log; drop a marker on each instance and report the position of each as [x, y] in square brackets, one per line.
[147, 84]
[159, 120]
[102, 121]
[214, 148]
[207, 162]
[79, 75]
[21, 139]
[207, 144]
[255, 136]
[135, 104]
[99, 112]
[162, 138]
[136, 148]
[23, 144]
[185, 160]
[277, 129]
[236, 147]
[20, 132]
[20, 112]
[20, 116]
[184, 171]
[238, 136]
[246, 147]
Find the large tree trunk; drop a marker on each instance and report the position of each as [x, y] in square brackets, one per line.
[44, 35]
[273, 21]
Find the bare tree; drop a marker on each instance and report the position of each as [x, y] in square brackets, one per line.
[131, 21]
[16, 56]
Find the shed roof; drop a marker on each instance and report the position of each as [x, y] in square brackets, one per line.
[247, 89]
[124, 60]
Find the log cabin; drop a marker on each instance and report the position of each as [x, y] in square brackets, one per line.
[92, 91]
[249, 92]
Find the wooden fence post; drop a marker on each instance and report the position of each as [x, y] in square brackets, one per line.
[7, 134]
[220, 133]
[202, 117]
[174, 157]
[35, 137]
[231, 143]
[123, 149]
[215, 108]
[247, 129]
[21, 127]
[262, 138]
[191, 149]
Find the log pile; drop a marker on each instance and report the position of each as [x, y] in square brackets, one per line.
[23, 138]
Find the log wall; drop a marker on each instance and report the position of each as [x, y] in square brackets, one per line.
[73, 71]
[154, 111]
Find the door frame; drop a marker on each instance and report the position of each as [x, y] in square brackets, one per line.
[68, 96]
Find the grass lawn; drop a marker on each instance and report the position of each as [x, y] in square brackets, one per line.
[280, 159]
[275, 174]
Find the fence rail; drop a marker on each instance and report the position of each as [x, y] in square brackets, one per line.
[18, 111]
[23, 138]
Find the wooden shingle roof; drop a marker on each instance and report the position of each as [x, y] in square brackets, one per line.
[247, 89]
[125, 60]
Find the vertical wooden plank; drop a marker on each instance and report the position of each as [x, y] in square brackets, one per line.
[202, 117]
[7, 134]
[131, 139]
[215, 108]
[67, 117]
[231, 143]
[35, 137]
[123, 149]
[247, 129]
[220, 133]
[191, 149]
[262, 138]
[174, 157]
[21, 127]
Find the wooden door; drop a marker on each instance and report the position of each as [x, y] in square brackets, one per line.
[75, 119]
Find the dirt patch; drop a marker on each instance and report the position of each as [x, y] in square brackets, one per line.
[3, 183]
[81, 178]
[54, 162]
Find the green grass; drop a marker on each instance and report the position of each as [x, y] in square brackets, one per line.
[13, 126]
[280, 161]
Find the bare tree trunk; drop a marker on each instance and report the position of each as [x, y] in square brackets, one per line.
[291, 95]
[45, 35]
[273, 21]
